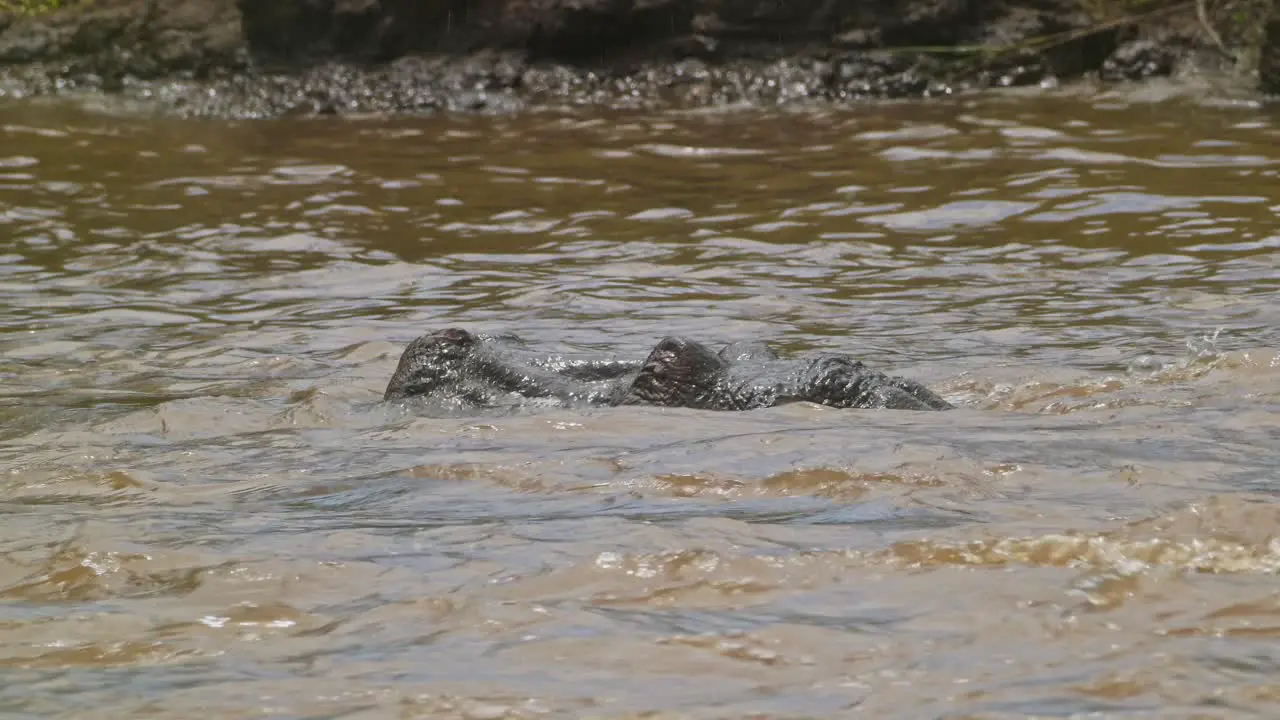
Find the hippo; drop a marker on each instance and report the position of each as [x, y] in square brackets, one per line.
[464, 371]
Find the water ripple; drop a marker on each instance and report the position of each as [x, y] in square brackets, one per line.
[208, 510]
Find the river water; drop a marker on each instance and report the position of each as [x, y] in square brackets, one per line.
[207, 511]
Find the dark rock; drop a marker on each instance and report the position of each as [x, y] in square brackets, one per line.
[886, 74]
[1015, 69]
[1269, 60]
[1138, 60]
[34, 41]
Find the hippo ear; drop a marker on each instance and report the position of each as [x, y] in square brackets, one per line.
[677, 372]
[452, 336]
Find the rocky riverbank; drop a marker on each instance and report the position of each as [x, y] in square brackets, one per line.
[256, 58]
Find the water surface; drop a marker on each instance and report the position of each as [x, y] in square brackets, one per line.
[208, 511]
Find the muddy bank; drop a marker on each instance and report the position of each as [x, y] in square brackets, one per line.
[225, 58]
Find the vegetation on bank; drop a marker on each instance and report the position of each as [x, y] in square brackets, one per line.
[1239, 17]
[31, 7]
[1223, 23]
[1105, 13]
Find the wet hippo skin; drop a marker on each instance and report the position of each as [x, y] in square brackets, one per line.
[466, 370]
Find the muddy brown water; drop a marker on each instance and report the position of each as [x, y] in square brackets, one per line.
[208, 512]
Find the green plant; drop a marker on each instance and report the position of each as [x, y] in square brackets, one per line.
[31, 7]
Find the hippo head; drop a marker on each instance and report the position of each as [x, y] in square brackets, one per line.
[430, 362]
[678, 373]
